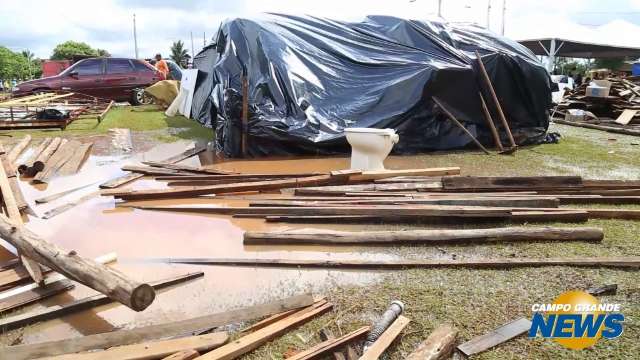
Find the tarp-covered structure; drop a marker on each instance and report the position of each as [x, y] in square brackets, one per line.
[310, 78]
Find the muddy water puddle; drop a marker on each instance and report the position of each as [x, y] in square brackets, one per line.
[98, 226]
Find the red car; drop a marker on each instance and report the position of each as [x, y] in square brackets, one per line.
[118, 79]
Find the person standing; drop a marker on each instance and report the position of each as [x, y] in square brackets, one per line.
[162, 66]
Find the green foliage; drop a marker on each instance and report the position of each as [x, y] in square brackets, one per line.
[570, 66]
[611, 64]
[179, 54]
[68, 49]
[18, 65]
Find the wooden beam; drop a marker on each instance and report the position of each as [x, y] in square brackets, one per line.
[492, 126]
[495, 337]
[152, 349]
[494, 201]
[104, 113]
[187, 168]
[255, 339]
[387, 337]
[424, 237]
[455, 121]
[530, 183]
[103, 279]
[64, 153]
[15, 152]
[438, 346]
[64, 207]
[610, 262]
[323, 348]
[611, 129]
[56, 311]
[146, 333]
[234, 176]
[34, 295]
[389, 173]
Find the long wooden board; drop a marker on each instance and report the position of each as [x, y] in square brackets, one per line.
[153, 349]
[495, 337]
[510, 182]
[546, 202]
[34, 295]
[387, 337]
[324, 347]
[146, 333]
[64, 154]
[74, 163]
[15, 151]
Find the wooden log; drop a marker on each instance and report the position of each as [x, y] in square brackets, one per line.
[455, 121]
[38, 164]
[64, 207]
[611, 129]
[612, 262]
[145, 333]
[438, 346]
[103, 279]
[496, 102]
[64, 153]
[22, 168]
[492, 126]
[425, 237]
[127, 178]
[387, 337]
[183, 355]
[219, 189]
[34, 295]
[56, 311]
[73, 165]
[416, 210]
[154, 349]
[530, 183]
[323, 348]
[253, 340]
[15, 152]
[495, 337]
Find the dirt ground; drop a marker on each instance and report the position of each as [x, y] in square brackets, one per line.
[475, 301]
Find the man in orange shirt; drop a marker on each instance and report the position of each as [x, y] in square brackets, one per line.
[162, 66]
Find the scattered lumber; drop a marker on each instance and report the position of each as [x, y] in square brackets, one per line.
[383, 342]
[438, 346]
[58, 195]
[103, 279]
[325, 347]
[268, 321]
[389, 173]
[530, 183]
[455, 121]
[430, 237]
[15, 152]
[325, 335]
[64, 153]
[75, 162]
[34, 295]
[153, 349]
[253, 340]
[64, 207]
[611, 262]
[183, 355]
[146, 333]
[495, 337]
[22, 168]
[56, 311]
[187, 168]
[611, 129]
[38, 164]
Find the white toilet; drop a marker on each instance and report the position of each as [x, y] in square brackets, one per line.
[369, 147]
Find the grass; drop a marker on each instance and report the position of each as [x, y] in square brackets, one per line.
[165, 129]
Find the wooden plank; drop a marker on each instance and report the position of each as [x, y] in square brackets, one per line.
[438, 346]
[14, 276]
[530, 183]
[384, 174]
[455, 121]
[612, 262]
[345, 173]
[187, 168]
[53, 197]
[64, 207]
[15, 152]
[34, 295]
[64, 153]
[22, 168]
[183, 355]
[234, 176]
[146, 333]
[103, 114]
[494, 201]
[219, 189]
[153, 349]
[148, 170]
[56, 311]
[415, 210]
[38, 164]
[268, 321]
[495, 337]
[255, 339]
[387, 337]
[424, 237]
[611, 129]
[323, 348]
[73, 165]
[489, 120]
[326, 334]
[626, 116]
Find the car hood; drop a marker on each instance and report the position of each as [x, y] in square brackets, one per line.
[39, 81]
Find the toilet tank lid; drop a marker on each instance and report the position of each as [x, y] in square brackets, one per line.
[370, 131]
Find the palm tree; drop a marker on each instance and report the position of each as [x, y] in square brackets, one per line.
[29, 56]
[178, 53]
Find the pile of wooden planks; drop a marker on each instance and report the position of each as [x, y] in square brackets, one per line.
[50, 110]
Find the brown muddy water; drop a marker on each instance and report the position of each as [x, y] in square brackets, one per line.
[96, 227]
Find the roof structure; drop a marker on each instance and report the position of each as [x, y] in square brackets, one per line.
[578, 49]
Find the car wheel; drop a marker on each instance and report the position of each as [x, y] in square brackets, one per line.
[141, 98]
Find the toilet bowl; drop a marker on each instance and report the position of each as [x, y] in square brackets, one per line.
[369, 147]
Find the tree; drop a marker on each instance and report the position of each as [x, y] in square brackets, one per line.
[179, 54]
[68, 49]
[103, 53]
[609, 63]
[19, 66]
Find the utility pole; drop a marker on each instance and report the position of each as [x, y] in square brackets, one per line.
[193, 54]
[135, 36]
[488, 14]
[439, 8]
[504, 11]
[204, 39]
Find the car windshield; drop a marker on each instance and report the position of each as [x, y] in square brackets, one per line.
[85, 67]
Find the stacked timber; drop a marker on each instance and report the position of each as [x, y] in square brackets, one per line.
[53, 156]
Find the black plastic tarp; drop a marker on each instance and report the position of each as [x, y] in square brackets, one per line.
[310, 78]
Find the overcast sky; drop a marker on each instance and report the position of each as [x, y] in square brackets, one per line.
[40, 25]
